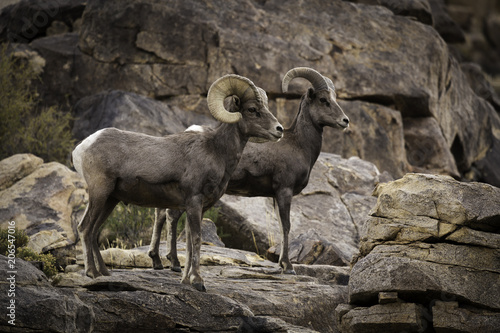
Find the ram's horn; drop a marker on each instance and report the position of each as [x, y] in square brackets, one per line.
[228, 85]
[318, 81]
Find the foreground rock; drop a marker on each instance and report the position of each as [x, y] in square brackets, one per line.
[430, 253]
[46, 200]
[244, 295]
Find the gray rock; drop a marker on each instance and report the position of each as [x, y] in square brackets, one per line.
[132, 112]
[424, 272]
[239, 299]
[426, 148]
[208, 234]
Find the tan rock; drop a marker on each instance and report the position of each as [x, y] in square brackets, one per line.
[48, 203]
[14, 168]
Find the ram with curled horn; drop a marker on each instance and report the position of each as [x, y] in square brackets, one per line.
[278, 170]
[186, 171]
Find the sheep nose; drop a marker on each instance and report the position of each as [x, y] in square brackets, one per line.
[279, 128]
[346, 120]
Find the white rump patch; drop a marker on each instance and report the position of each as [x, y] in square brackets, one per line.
[81, 148]
[194, 128]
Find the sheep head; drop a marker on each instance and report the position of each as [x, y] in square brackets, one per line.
[248, 107]
[321, 97]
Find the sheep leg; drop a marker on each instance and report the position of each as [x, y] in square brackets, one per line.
[84, 229]
[154, 247]
[284, 202]
[108, 209]
[171, 217]
[172, 220]
[97, 211]
[193, 245]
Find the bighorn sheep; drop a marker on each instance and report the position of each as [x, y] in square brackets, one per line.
[186, 171]
[279, 170]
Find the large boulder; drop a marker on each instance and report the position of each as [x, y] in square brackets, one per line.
[404, 65]
[132, 112]
[433, 242]
[46, 200]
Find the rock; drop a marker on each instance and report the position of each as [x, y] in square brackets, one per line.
[447, 28]
[208, 234]
[480, 84]
[436, 243]
[122, 46]
[252, 222]
[131, 112]
[394, 317]
[239, 299]
[417, 9]
[17, 167]
[426, 148]
[475, 205]
[310, 248]
[449, 316]
[424, 272]
[29, 19]
[375, 135]
[47, 203]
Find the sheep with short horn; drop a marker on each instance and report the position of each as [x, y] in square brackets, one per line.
[186, 171]
[279, 170]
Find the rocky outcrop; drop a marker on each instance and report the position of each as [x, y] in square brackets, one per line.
[132, 112]
[46, 200]
[433, 244]
[239, 299]
[374, 55]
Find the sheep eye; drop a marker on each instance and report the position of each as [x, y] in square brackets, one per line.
[252, 110]
[324, 101]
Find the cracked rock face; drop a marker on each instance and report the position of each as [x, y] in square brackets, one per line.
[435, 242]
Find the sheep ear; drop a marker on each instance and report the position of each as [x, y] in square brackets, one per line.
[311, 94]
[236, 101]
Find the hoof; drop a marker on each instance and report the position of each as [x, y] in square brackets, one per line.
[93, 275]
[158, 267]
[176, 269]
[199, 286]
[290, 272]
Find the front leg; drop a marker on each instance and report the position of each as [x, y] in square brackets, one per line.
[284, 202]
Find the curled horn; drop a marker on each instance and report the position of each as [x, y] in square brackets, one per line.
[228, 85]
[318, 81]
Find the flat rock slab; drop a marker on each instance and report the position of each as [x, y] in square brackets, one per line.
[237, 296]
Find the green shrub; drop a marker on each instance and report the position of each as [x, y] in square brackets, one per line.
[48, 260]
[128, 226]
[23, 252]
[25, 127]
[20, 239]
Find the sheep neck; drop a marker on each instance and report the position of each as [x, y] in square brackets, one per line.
[230, 142]
[307, 134]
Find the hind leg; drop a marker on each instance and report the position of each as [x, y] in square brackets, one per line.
[108, 209]
[154, 246]
[172, 220]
